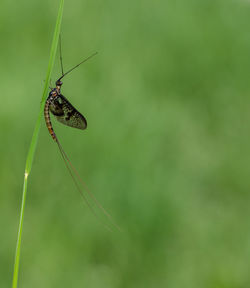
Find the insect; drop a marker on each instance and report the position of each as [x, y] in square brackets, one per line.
[68, 115]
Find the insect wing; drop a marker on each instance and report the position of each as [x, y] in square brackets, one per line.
[66, 113]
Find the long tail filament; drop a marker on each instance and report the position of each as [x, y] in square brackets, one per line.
[73, 172]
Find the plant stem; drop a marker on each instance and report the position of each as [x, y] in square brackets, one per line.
[34, 139]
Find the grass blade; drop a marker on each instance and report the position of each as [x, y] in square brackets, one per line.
[34, 139]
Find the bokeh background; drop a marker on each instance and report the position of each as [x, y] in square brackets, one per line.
[167, 149]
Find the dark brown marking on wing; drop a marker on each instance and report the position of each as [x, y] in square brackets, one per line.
[66, 113]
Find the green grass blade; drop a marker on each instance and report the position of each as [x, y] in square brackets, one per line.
[34, 139]
[45, 90]
[18, 245]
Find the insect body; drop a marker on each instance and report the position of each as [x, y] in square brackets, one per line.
[65, 113]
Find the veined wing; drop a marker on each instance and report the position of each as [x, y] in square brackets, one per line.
[66, 113]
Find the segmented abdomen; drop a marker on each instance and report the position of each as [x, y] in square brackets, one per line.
[47, 119]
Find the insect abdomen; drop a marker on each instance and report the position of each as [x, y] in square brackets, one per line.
[47, 120]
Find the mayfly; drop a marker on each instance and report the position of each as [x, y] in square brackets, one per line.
[66, 114]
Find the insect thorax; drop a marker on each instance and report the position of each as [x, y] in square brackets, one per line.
[54, 93]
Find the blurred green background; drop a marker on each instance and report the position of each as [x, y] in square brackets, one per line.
[166, 150]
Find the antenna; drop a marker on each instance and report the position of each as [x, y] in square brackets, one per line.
[86, 59]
